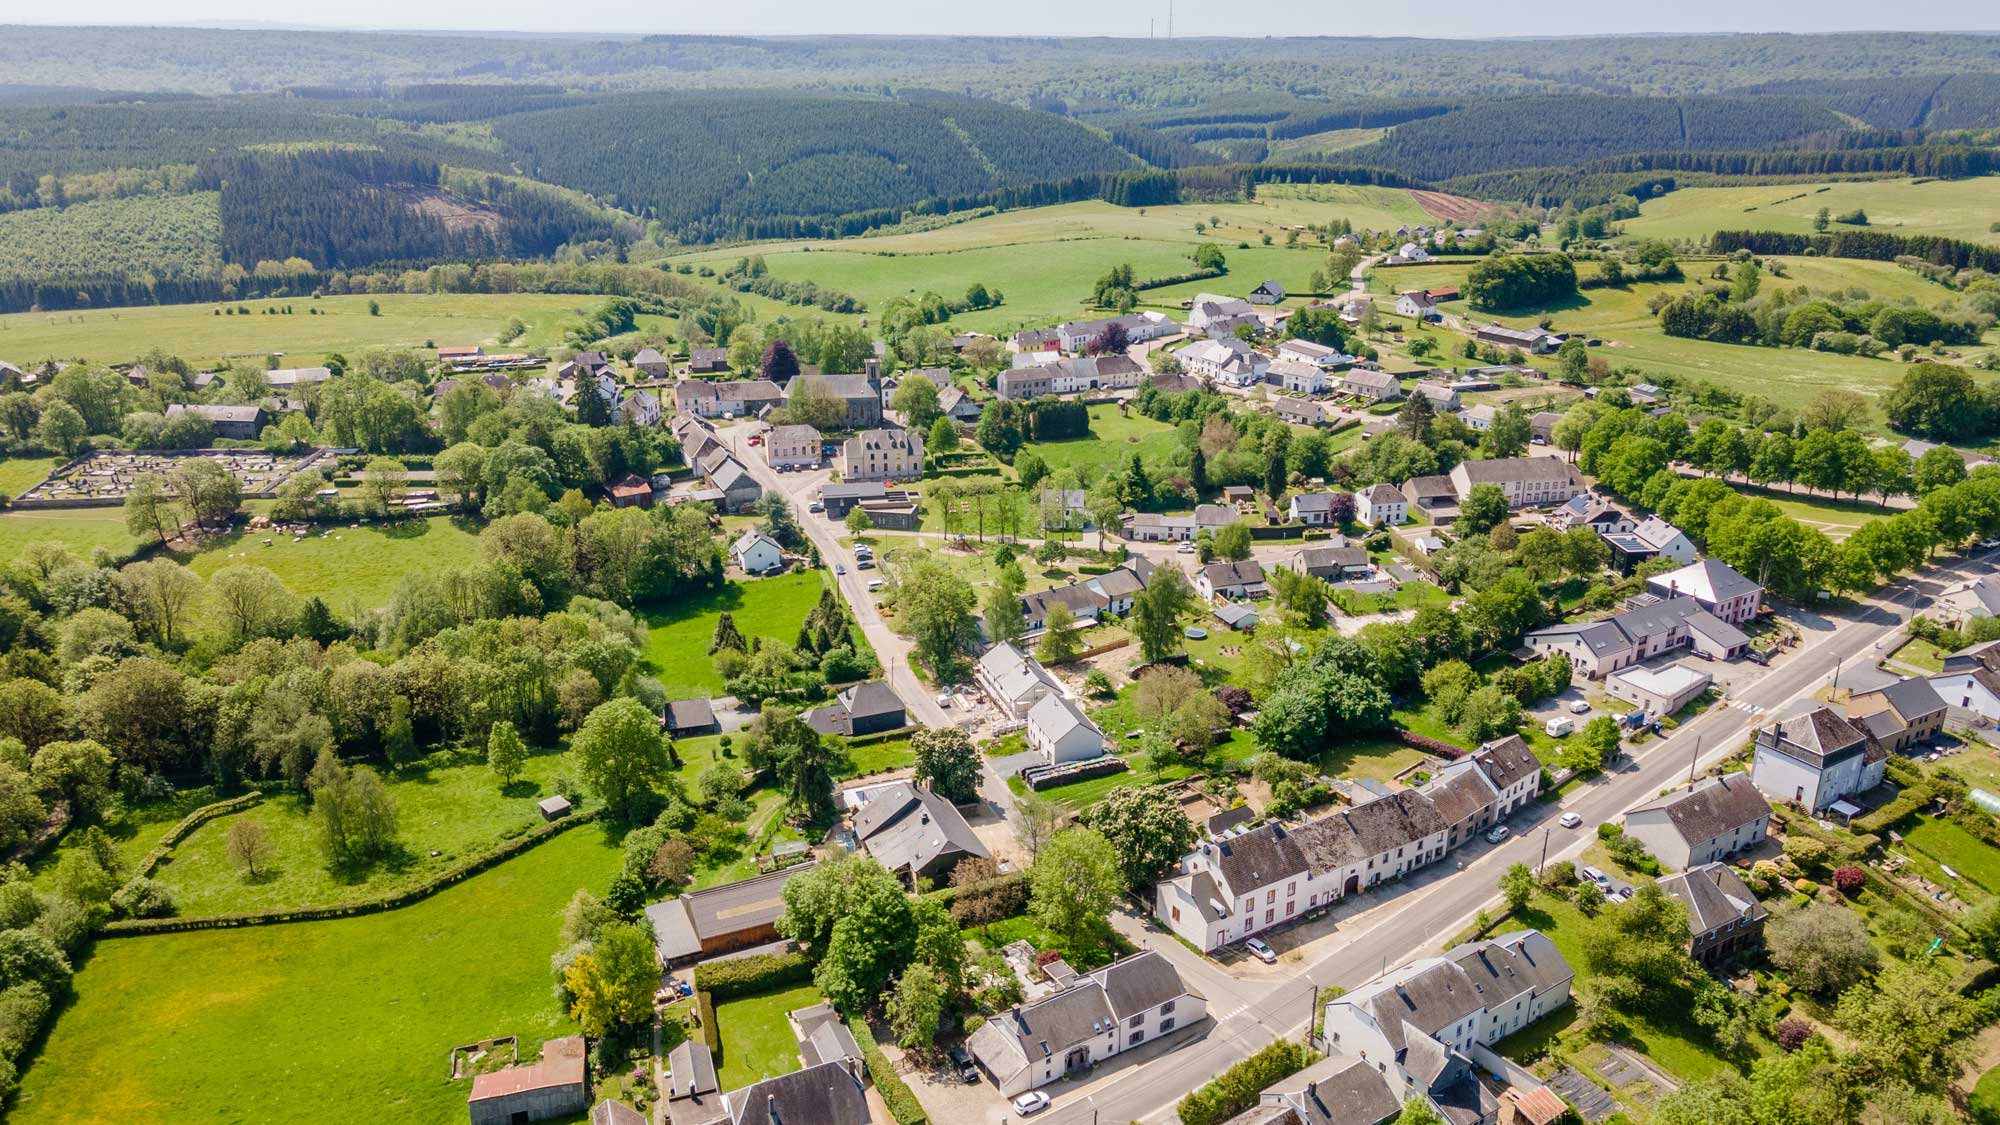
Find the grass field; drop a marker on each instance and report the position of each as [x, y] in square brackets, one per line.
[773, 608]
[354, 568]
[757, 1039]
[1632, 335]
[83, 529]
[316, 1022]
[454, 811]
[1112, 441]
[196, 334]
[1319, 144]
[1948, 844]
[18, 474]
[1954, 208]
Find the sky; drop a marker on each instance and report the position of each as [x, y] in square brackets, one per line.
[1438, 19]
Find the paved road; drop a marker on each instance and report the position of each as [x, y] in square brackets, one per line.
[1431, 911]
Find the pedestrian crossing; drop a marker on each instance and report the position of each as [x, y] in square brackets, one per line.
[1746, 708]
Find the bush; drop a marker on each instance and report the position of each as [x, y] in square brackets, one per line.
[1236, 1089]
[1848, 880]
[704, 1010]
[142, 898]
[895, 1092]
[1792, 1033]
[741, 976]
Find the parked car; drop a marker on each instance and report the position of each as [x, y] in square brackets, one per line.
[1570, 820]
[1185, 549]
[864, 564]
[1597, 876]
[961, 1059]
[1261, 951]
[840, 568]
[1579, 706]
[1988, 544]
[876, 585]
[756, 439]
[815, 506]
[1498, 833]
[1031, 1103]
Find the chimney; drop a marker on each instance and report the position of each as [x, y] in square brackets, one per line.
[771, 1107]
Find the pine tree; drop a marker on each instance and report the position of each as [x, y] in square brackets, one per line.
[726, 635]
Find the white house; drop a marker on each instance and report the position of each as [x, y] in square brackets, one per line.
[1061, 732]
[1267, 293]
[1375, 386]
[1317, 354]
[1599, 648]
[1666, 540]
[1298, 375]
[1012, 680]
[1707, 821]
[1971, 679]
[1441, 397]
[1416, 304]
[1816, 761]
[1095, 1017]
[1231, 580]
[1411, 252]
[1314, 509]
[1527, 482]
[1207, 307]
[756, 553]
[1381, 505]
[1713, 583]
[1230, 362]
[1078, 336]
[1479, 416]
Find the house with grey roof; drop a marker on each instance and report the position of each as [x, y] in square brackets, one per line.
[1130, 1002]
[648, 362]
[793, 447]
[1371, 385]
[757, 553]
[1232, 581]
[690, 718]
[831, 1093]
[866, 708]
[914, 832]
[1816, 760]
[1058, 730]
[238, 423]
[1336, 1090]
[1527, 482]
[739, 398]
[1899, 715]
[1012, 680]
[1334, 562]
[1710, 820]
[1653, 627]
[1314, 509]
[1724, 917]
[723, 919]
[1381, 505]
[1715, 585]
[692, 1095]
[885, 454]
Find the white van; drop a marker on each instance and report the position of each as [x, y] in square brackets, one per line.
[876, 585]
[1558, 727]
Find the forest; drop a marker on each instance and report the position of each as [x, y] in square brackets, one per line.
[1919, 101]
[1653, 173]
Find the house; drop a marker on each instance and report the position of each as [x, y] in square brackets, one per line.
[639, 408]
[866, 708]
[1479, 416]
[1542, 427]
[861, 392]
[1085, 603]
[757, 553]
[882, 455]
[1060, 731]
[1230, 362]
[1705, 822]
[1337, 563]
[955, 404]
[1650, 628]
[1300, 411]
[630, 491]
[1154, 527]
[1100, 1015]
[1655, 538]
[1298, 376]
[1965, 601]
[1026, 382]
[1231, 581]
[1440, 397]
[1431, 494]
[740, 398]
[829, 1093]
[894, 515]
[285, 378]
[1715, 585]
[1423, 1024]
[1816, 760]
[1724, 917]
[1067, 509]
[716, 920]
[1586, 510]
[1514, 771]
[1308, 351]
[1417, 304]
[1174, 383]
[1315, 509]
[1535, 341]
[1898, 716]
[693, 1096]
[1527, 482]
[708, 361]
[1411, 252]
[724, 473]
[1067, 376]
[1267, 293]
[1206, 308]
[650, 364]
[690, 718]
[1464, 797]
[1140, 327]
[1658, 691]
[1381, 505]
[1916, 449]
[1012, 680]
[1035, 340]
[1971, 679]
[1336, 1090]
[914, 832]
[1374, 386]
[237, 423]
[555, 1086]
[793, 447]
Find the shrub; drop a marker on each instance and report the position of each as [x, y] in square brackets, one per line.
[704, 1010]
[1559, 874]
[142, 898]
[1792, 1033]
[895, 1092]
[1848, 880]
[730, 979]
[1236, 1089]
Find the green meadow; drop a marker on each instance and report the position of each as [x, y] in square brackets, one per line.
[1954, 208]
[677, 652]
[352, 567]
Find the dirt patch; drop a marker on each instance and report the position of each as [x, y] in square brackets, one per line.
[1449, 208]
[456, 214]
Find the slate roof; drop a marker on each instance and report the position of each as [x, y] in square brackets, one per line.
[1377, 827]
[906, 826]
[1047, 1028]
[1713, 806]
[1818, 737]
[1313, 501]
[1339, 1090]
[1500, 470]
[823, 1036]
[692, 1070]
[1507, 760]
[1460, 792]
[1256, 858]
[1383, 494]
[690, 714]
[1715, 896]
[1140, 983]
[827, 1094]
[1419, 487]
[1711, 580]
[1912, 697]
[1250, 572]
[1430, 999]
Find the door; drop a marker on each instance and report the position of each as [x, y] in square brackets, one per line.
[1077, 1059]
[1353, 885]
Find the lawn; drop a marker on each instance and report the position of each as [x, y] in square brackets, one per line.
[316, 1022]
[757, 1039]
[1954, 847]
[1380, 759]
[772, 608]
[1112, 441]
[1920, 654]
[197, 334]
[1953, 208]
[1985, 1102]
[18, 474]
[352, 568]
[1633, 337]
[1023, 927]
[453, 811]
[83, 529]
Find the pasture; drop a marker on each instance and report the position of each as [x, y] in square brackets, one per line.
[319, 1021]
[677, 652]
[83, 530]
[1633, 337]
[197, 334]
[1954, 208]
[1112, 441]
[353, 568]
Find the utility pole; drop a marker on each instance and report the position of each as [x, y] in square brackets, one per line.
[1545, 852]
[1693, 758]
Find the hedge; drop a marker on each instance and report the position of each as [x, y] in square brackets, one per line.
[134, 927]
[740, 976]
[704, 1011]
[946, 896]
[903, 1105]
[1912, 798]
[1236, 1089]
[1429, 745]
[192, 821]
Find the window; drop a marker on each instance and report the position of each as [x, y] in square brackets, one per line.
[1271, 896]
[1138, 1019]
[1167, 1008]
[1138, 1037]
[1268, 917]
[1289, 907]
[1176, 913]
[1166, 1025]
[1291, 888]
